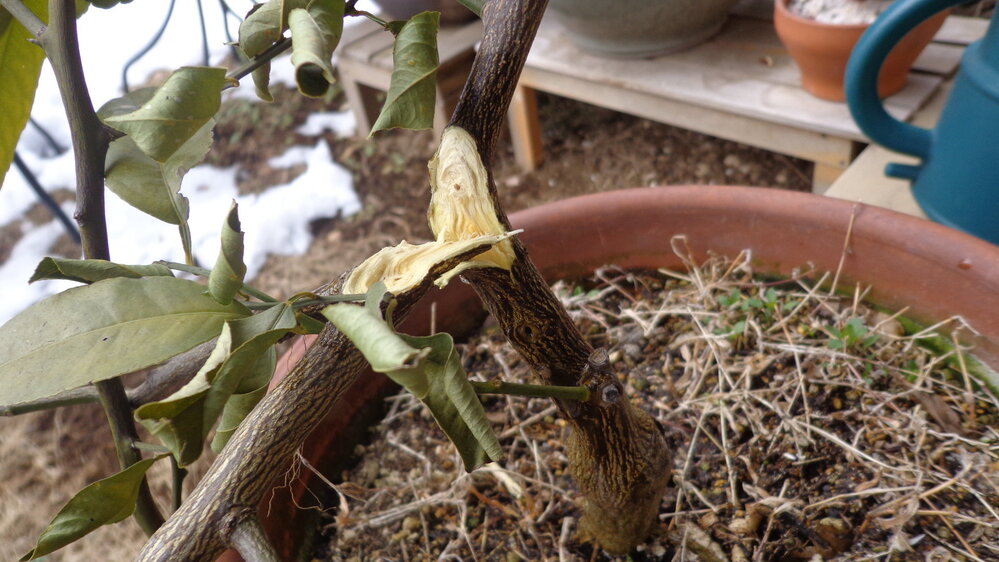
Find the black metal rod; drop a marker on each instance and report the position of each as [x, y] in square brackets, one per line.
[204, 35]
[47, 199]
[152, 43]
[54, 144]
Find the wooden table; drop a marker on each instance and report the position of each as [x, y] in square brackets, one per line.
[365, 65]
[742, 85]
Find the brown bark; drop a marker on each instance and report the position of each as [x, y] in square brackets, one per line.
[90, 144]
[263, 446]
[618, 453]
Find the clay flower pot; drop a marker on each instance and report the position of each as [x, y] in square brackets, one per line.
[821, 51]
[639, 28]
[937, 271]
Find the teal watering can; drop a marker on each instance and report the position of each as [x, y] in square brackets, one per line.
[957, 182]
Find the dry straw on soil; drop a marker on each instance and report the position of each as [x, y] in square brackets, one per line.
[794, 438]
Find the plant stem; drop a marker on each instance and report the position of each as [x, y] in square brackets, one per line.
[369, 15]
[178, 482]
[90, 145]
[271, 53]
[538, 390]
[150, 447]
[82, 395]
[249, 539]
[112, 396]
[202, 272]
[24, 16]
[327, 300]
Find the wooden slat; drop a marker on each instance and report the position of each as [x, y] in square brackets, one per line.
[356, 28]
[456, 40]
[939, 58]
[744, 71]
[452, 42]
[525, 131]
[865, 179]
[961, 30]
[366, 48]
[774, 136]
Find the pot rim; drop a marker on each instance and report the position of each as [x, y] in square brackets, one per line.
[783, 10]
[770, 218]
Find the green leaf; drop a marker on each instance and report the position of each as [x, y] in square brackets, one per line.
[288, 5]
[226, 278]
[308, 324]
[261, 28]
[176, 111]
[474, 5]
[429, 368]
[101, 503]
[410, 101]
[154, 187]
[265, 24]
[20, 65]
[89, 271]
[315, 34]
[262, 81]
[103, 330]
[241, 363]
[249, 392]
[108, 3]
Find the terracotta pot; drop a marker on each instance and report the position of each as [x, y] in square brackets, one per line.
[639, 28]
[937, 271]
[821, 51]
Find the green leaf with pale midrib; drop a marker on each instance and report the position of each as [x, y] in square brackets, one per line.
[429, 368]
[412, 90]
[103, 502]
[188, 99]
[240, 365]
[142, 182]
[20, 66]
[226, 278]
[102, 330]
[89, 271]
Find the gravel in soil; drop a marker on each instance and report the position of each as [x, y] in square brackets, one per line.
[805, 426]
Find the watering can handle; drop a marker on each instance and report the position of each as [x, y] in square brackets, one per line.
[865, 64]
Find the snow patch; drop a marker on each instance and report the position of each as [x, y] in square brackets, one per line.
[342, 123]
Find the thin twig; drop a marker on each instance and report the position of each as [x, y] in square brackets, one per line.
[24, 16]
[90, 144]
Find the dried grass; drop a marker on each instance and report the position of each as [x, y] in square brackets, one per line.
[789, 444]
[45, 458]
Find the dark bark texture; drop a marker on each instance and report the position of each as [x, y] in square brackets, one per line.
[264, 445]
[618, 454]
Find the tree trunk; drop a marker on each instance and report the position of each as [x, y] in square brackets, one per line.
[618, 453]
